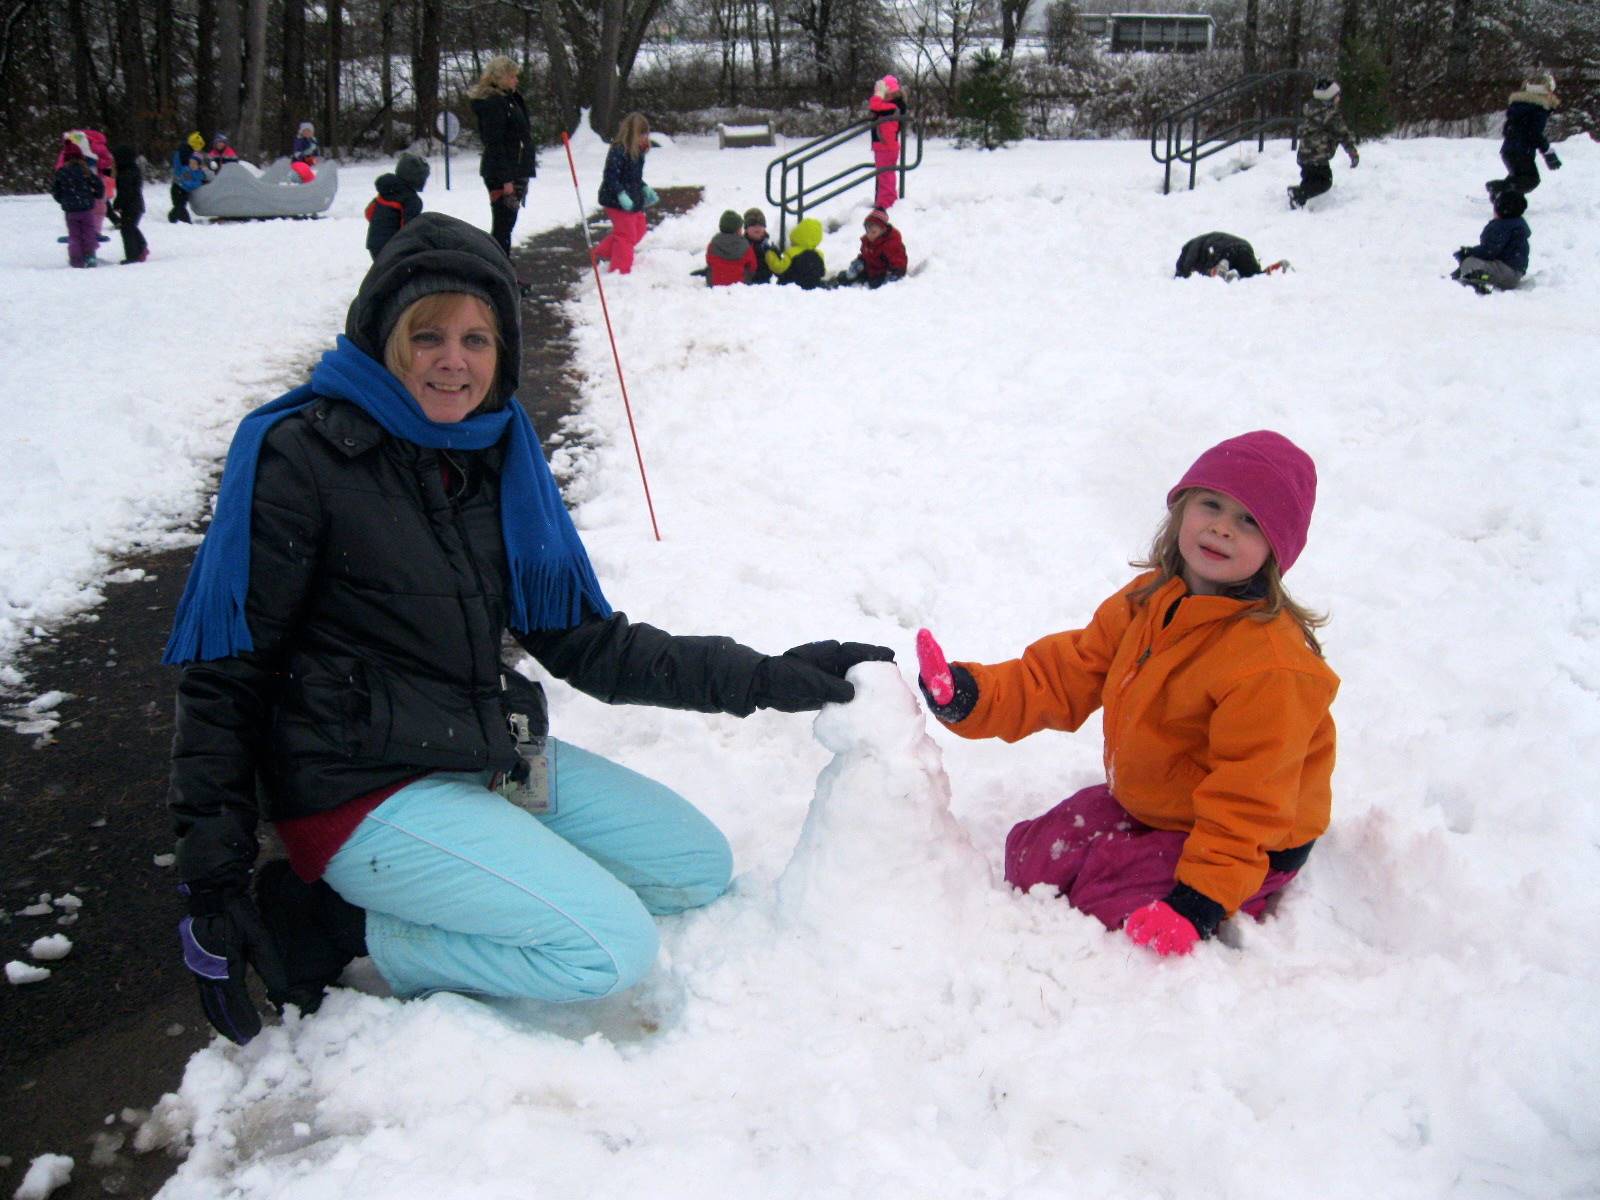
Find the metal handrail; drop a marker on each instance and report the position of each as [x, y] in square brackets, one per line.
[1259, 89]
[806, 195]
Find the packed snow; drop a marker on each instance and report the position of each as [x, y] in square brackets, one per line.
[979, 449]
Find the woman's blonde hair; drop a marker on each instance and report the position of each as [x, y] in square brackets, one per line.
[496, 69]
[432, 309]
[1267, 583]
[633, 128]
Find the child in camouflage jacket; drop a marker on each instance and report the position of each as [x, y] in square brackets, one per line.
[1322, 131]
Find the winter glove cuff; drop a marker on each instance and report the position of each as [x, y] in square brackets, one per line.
[1200, 910]
[962, 701]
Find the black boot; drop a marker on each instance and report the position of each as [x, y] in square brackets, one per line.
[316, 930]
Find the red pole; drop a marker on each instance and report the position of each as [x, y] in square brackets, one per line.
[583, 223]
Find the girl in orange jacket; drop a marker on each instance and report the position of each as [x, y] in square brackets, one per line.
[1219, 745]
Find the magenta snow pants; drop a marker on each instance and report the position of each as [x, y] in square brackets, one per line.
[1106, 863]
[81, 240]
[885, 155]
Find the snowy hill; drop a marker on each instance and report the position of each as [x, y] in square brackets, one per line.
[980, 449]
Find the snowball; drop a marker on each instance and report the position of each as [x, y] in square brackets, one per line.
[68, 901]
[19, 973]
[45, 1174]
[49, 949]
[164, 860]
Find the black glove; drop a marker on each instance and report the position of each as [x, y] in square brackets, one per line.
[1462, 253]
[1551, 160]
[812, 675]
[522, 193]
[222, 933]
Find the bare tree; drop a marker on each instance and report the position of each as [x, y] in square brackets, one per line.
[330, 79]
[135, 73]
[230, 66]
[1013, 14]
[941, 32]
[205, 66]
[255, 91]
[1459, 57]
[386, 67]
[295, 93]
[425, 67]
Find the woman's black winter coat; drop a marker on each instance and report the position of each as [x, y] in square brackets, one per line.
[509, 152]
[376, 604]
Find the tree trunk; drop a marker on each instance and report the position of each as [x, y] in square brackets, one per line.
[562, 84]
[607, 87]
[386, 69]
[165, 90]
[135, 77]
[295, 108]
[205, 67]
[1013, 14]
[1459, 57]
[230, 64]
[250, 115]
[1252, 32]
[330, 79]
[1349, 28]
[752, 29]
[82, 59]
[425, 67]
[1292, 43]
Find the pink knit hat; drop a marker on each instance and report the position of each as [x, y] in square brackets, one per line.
[1269, 475]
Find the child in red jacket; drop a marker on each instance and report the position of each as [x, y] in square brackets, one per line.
[1219, 744]
[730, 258]
[883, 254]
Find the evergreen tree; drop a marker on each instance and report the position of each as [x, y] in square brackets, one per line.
[1364, 89]
[989, 108]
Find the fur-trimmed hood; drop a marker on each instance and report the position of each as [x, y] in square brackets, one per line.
[1547, 100]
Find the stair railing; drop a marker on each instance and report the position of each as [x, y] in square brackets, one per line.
[1249, 107]
[796, 193]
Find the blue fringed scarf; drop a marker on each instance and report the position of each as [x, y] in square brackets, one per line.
[552, 584]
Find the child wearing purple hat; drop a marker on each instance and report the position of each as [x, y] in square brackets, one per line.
[1219, 744]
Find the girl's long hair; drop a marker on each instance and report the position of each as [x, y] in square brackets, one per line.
[496, 69]
[633, 128]
[1267, 583]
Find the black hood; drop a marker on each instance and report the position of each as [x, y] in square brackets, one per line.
[436, 244]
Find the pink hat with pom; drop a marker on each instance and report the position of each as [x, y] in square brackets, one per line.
[1269, 475]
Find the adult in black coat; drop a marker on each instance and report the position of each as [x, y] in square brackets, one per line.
[378, 532]
[510, 154]
[127, 206]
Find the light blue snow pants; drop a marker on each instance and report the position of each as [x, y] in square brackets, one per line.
[465, 892]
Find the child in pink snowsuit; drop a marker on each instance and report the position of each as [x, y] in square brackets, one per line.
[886, 99]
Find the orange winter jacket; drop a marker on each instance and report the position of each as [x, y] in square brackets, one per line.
[1215, 725]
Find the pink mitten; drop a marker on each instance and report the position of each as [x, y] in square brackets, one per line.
[934, 669]
[1160, 927]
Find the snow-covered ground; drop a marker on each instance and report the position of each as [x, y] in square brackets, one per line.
[981, 449]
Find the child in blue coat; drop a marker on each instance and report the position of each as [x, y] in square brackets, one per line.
[1500, 259]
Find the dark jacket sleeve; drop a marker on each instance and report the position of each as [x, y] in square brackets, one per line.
[224, 706]
[619, 662]
[1492, 241]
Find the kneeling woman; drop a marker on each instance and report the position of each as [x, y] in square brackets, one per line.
[378, 529]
